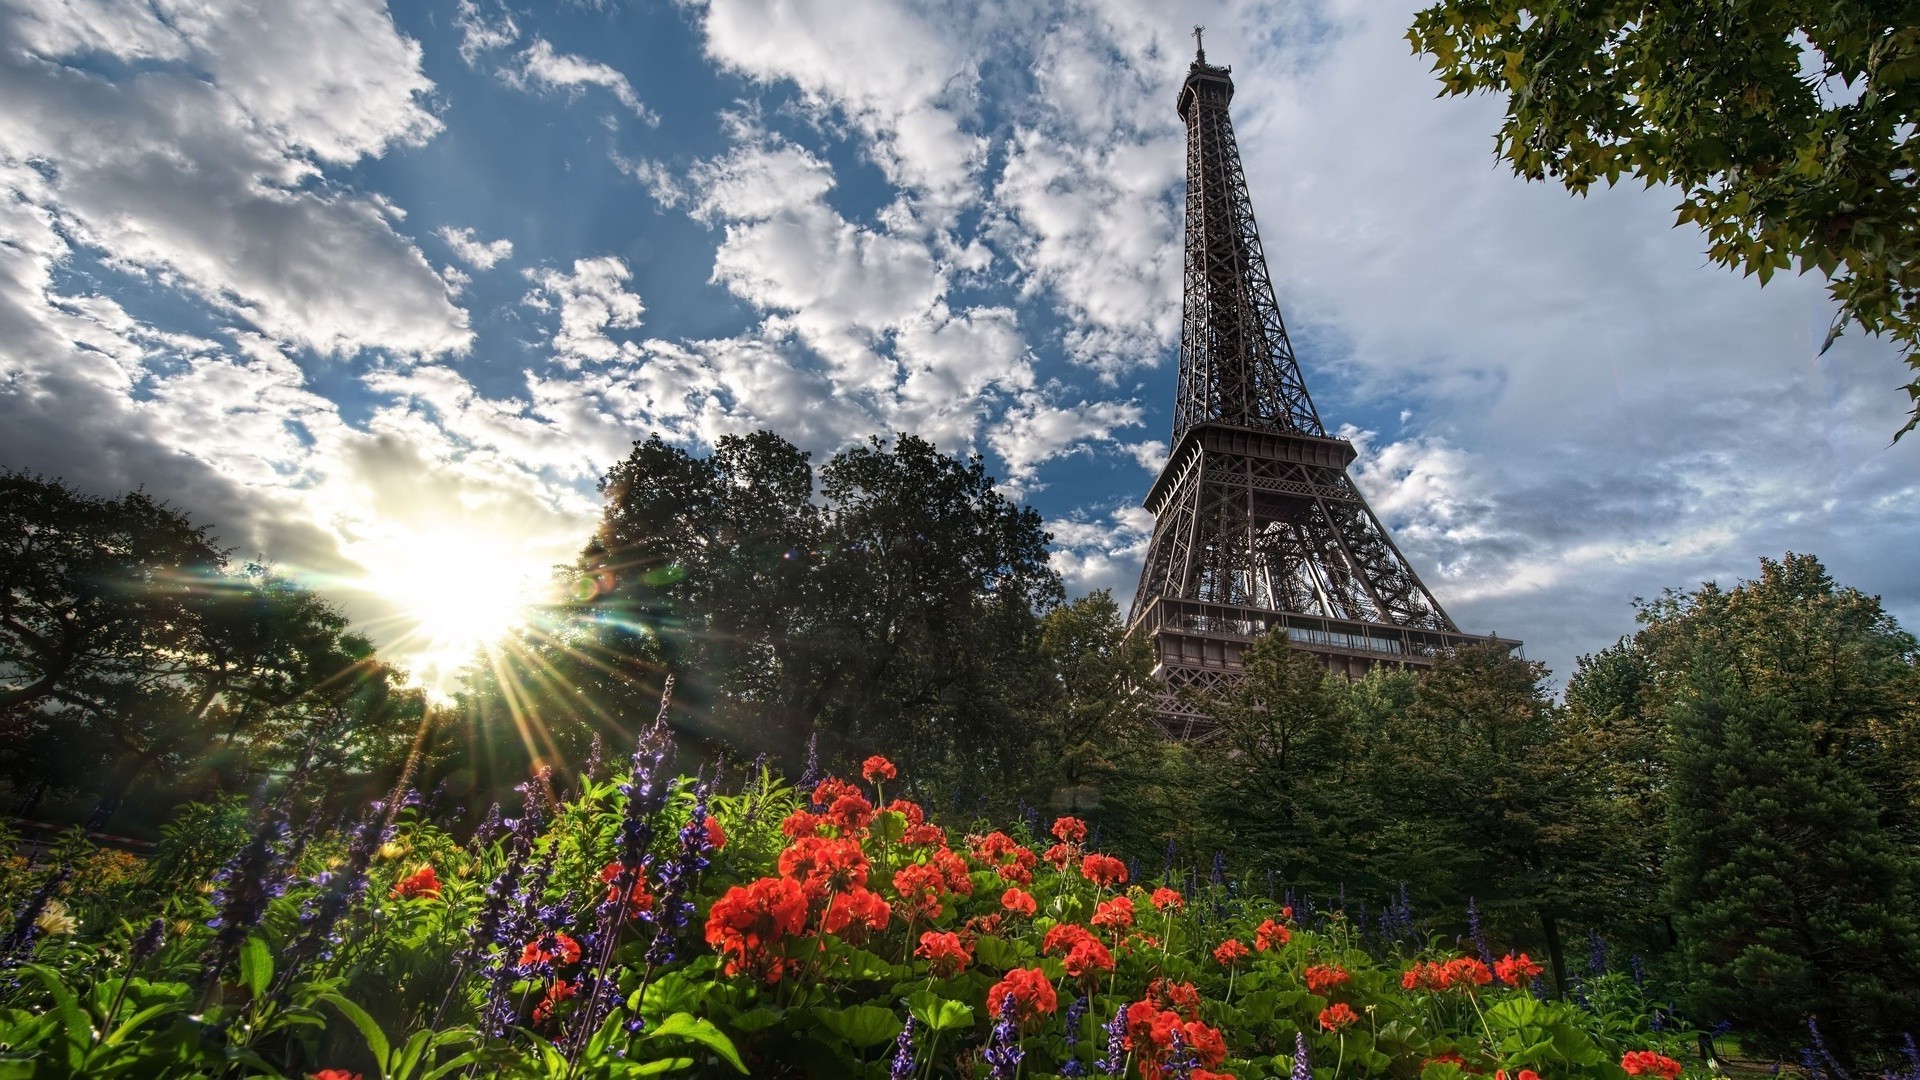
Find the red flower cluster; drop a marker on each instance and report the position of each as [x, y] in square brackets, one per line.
[1229, 952]
[1150, 1036]
[1019, 901]
[1181, 996]
[421, 882]
[827, 791]
[856, 915]
[639, 899]
[1069, 830]
[1461, 972]
[877, 768]
[1514, 970]
[1005, 855]
[1523, 1074]
[1083, 954]
[801, 823]
[333, 1074]
[1648, 1063]
[1322, 978]
[1115, 914]
[561, 990]
[1103, 870]
[850, 813]
[1031, 991]
[1165, 899]
[716, 836]
[945, 951]
[920, 888]
[749, 921]
[1338, 1016]
[553, 948]
[1270, 935]
[824, 865]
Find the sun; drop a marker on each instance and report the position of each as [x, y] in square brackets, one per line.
[451, 592]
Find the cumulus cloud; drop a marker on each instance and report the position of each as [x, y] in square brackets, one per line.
[592, 299]
[474, 252]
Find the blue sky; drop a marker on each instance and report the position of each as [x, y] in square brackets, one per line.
[379, 292]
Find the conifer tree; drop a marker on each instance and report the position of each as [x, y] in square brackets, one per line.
[1793, 901]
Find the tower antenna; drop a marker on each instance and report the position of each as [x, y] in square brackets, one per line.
[1199, 46]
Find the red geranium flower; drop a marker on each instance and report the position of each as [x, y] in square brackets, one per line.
[1165, 899]
[1338, 1017]
[1115, 914]
[909, 810]
[1031, 991]
[920, 888]
[1646, 1062]
[945, 951]
[824, 865]
[1088, 957]
[1150, 1036]
[1270, 935]
[830, 789]
[856, 915]
[1463, 972]
[1229, 952]
[800, 823]
[850, 813]
[1063, 937]
[333, 1074]
[716, 836]
[1069, 829]
[1059, 856]
[1019, 901]
[421, 882]
[553, 948]
[1514, 970]
[924, 836]
[1183, 997]
[561, 990]
[979, 926]
[1321, 978]
[992, 848]
[953, 869]
[746, 922]
[1103, 870]
[1523, 1074]
[639, 899]
[877, 768]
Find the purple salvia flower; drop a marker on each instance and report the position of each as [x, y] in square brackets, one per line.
[1003, 1052]
[148, 943]
[1218, 874]
[1596, 952]
[1639, 972]
[1820, 1044]
[1166, 864]
[1477, 934]
[902, 1068]
[322, 912]
[489, 827]
[1116, 1058]
[1133, 868]
[590, 772]
[243, 888]
[17, 945]
[810, 776]
[1302, 1068]
[1181, 1060]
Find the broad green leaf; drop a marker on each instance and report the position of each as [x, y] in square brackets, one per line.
[757, 1019]
[369, 1030]
[688, 1026]
[256, 965]
[997, 953]
[862, 1025]
[938, 1013]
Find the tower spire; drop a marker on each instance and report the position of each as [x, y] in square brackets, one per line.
[1199, 46]
[1257, 526]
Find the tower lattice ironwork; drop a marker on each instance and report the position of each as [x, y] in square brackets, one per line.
[1257, 526]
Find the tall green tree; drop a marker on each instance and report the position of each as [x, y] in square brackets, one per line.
[1786, 125]
[888, 601]
[130, 647]
[1793, 900]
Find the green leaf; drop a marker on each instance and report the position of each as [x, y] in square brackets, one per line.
[997, 953]
[862, 1025]
[687, 1026]
[369, 1030]
[757, 1019]
[938, 1013]
[256, 965]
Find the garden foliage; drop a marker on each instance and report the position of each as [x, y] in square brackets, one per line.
[649, 924]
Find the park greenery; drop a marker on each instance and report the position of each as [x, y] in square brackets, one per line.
[1715, 832]
[1786, 125]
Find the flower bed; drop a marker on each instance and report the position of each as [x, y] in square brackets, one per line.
[648, 926]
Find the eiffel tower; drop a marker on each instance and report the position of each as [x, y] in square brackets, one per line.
[1257, 526]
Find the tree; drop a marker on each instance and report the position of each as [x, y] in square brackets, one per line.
[127, 644]
[1786, 125]
[890, 603]
[1793, 901]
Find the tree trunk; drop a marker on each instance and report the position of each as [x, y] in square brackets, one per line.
[1556, 955]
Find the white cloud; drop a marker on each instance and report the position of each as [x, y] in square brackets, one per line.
[206, 182]
[540, 66]
[1034, 431]
[481, 34]
[592, 299]
[479, 254]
